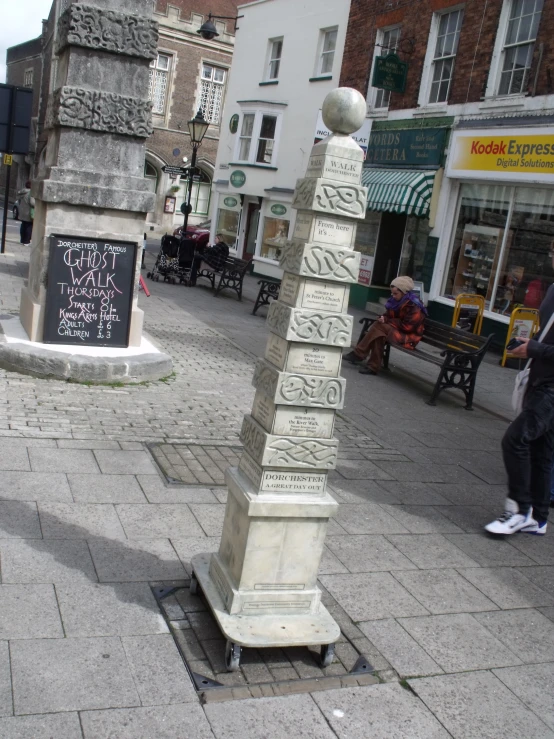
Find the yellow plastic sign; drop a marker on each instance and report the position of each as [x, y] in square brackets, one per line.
[8, 160]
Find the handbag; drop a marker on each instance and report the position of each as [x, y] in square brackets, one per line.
[522, 378]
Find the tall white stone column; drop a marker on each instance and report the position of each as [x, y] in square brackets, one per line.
[262, 584]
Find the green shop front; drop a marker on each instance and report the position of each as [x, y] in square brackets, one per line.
[403, 174]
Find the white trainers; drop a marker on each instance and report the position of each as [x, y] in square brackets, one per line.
[534, 527]
[510, 521]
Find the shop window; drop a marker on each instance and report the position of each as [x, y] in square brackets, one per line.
[212, 89]
[387, 43]
[151, 173]
[274, 59]
[275, 235]
[258, 136]
[327, 45]
[445, 35]
[159, 74]
[415, 256]
[227, 225]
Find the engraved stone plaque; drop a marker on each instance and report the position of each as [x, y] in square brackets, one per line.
[317, 327]
[325, 262]
[290, 388]
[293, 420]
[302, 293]
[282, 481]
[324, 230]
[335, 168]
[304, 358]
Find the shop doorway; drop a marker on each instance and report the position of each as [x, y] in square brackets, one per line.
[251, 232]
[389, 248]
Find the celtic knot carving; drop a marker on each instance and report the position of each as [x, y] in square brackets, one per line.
[265, 379]
[318, 327]
[287, 452]
[341, 199]
[314, 391]
[108, 30]
[342, 264]
[102, 111]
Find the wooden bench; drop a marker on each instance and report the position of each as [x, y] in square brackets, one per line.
[460, 355]
[269, 290]
[231, 275]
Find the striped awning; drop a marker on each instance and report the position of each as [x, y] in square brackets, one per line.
[398, 190]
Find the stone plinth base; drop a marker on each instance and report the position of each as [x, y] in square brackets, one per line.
[80, 364]
[274, 630]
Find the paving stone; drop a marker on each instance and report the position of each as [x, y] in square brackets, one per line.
[507, 587]
[19, 520]
[51, 675]
[158, 492]
[421, 519]
[125, 462]
[360, 491]
[17, 458]
[57, 726]
[159, 672]
[372, 595]
[40, 561]
[29, 611]
[478, 706]
[134, 561]
[329, 564]
[368, 553]
[79, 521]
[34, 486]
[528, 633]
[6, 700]
[379, 712]
[290, 716]
[354, 470]
[489, 551]
[538, 548]
[541, 576]
[470, 519]
[431, 551]
[191, 647]
[367, 519]
[158, 521]
[534, 686]
[398, 647]
[87, 444]
[162, 722]
[189, 547]
[444, 591]
[63, 460]
[210, 518]
[411, 471]
[204, 625]
[109, 610]
[458, 642]
[417, 493]
[106, 489]
[548, 612]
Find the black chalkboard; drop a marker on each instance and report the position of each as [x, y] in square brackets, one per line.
[90, 291]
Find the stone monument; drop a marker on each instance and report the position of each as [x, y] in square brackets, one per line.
[262, 584]
[90, 190]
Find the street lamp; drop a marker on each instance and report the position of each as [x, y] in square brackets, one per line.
[208, 31]
[197, 130]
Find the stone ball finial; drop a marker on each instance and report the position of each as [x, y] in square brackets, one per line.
[344, 110]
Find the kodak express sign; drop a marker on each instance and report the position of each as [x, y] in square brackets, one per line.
[514, 154]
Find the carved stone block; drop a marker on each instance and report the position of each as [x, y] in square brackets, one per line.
[107, 30]
[326, 230]
[317, 327]
[287, 388]
[293, 420]
[331, 197]
[282, 482]
[287, 451]
[324, 262]
[339, 168]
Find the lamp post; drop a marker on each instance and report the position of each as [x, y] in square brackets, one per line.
[197, 129]
[208, 31]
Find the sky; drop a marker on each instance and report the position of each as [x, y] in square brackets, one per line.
[21, 21]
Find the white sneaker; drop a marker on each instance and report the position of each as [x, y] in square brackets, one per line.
[534, 527]
[510, 521]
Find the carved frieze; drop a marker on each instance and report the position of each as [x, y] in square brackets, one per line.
[101, 111]
[287, 388]
[318, 327]
[329, 196]
[108, 30]
[326, 262]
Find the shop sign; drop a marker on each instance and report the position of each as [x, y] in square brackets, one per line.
[419, 146]
[230, 202]
[278, 209]
[361, 136]
[237, 178]
[389, 73]
[234, 123]
[526, 153]
[366, 268]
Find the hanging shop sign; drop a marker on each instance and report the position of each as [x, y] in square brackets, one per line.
[520, 154]
[230, 202]
[234, 123]
[389, 73]
[278, 209]
[237, 178]
[419, 146]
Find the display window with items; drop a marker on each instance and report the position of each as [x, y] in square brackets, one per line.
[502, 246]
[228, 226]
[274, 239]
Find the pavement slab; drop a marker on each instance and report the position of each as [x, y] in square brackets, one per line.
[534, 686]
[6, 698]
[526, 632]
[40, 561]
[399, 648]
[29, 611]
[431, 551]
[161, 722]
[106, 489]
[17, 458]
[79, 521]
[19, 520]
[368, 553]
[478, 706]
[367, 519]
[508, 588]
[136, 560]
[124, 462]
[55, 725]
[157, 491]
[490, 551]
[444, 591]
[62, 460]
[34, 486]
[210, 518]
[158, 521]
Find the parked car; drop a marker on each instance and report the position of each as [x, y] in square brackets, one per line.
[15, 210]
[200, 232]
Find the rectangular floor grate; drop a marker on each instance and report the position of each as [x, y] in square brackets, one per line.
[195, 464]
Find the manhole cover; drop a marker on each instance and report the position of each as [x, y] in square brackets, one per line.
[195, 464]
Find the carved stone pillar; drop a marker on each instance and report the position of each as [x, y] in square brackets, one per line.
[90, 180]
[262, 584]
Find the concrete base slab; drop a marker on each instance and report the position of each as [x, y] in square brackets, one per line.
[274, 630]
[79, 363]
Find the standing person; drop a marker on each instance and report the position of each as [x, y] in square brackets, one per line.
[528, 444]
[401, 324]
[26, 213]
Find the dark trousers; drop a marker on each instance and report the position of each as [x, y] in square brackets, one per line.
[26, 231]
[373, 344]
[528, 448]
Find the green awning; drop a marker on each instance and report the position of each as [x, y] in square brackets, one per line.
[398, 190]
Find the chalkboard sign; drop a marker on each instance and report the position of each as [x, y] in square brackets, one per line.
[90, 291]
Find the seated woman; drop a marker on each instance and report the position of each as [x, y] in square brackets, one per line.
[213, 256]
[401, 324]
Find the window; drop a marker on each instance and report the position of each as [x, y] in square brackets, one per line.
[28, 78]
[388, 44]
[275, 235]
[200, 193]
[228, 226]
[151, 173]
[159, 73]
[275, 53]
[446, 46]
[257, 138]
[212, 87]
[517, 53]
[327, 52]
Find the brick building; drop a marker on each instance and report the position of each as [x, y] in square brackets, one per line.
[459, 169]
